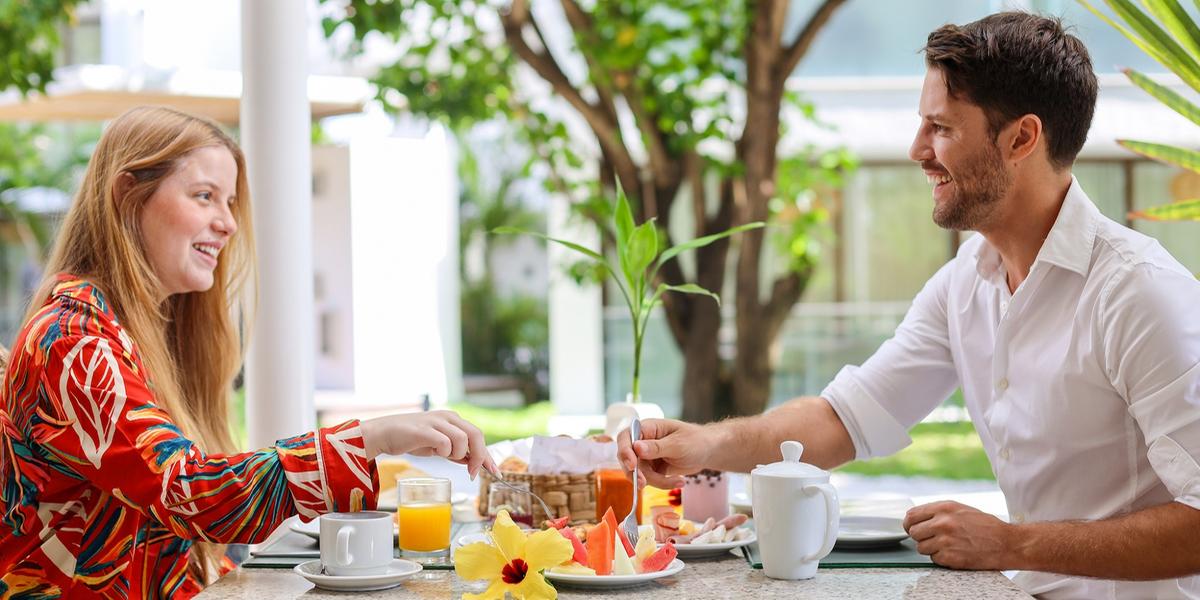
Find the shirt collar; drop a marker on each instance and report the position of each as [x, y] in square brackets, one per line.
[1069, 243]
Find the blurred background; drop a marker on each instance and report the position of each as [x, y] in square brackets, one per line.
[436, 122]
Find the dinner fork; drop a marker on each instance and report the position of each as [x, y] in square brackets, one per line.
[501, 481]
[629, 524]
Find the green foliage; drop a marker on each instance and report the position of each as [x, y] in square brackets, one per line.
[29, 40]
[676, 63]
[942, 450]
[640, 257]
[1169, 35]
[33, 156]
[499, 335]
[499, 424]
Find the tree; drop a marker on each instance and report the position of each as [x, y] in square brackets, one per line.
[29, 40]
[682, 102]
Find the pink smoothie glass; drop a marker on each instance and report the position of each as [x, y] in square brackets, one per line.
[705, 495]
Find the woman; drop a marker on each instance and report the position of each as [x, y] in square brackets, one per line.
[118, 476]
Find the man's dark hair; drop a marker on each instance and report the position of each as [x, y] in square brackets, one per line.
[1012, 64]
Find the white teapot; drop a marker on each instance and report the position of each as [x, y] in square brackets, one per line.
[795, 513]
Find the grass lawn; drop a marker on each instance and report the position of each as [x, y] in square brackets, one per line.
[943, 450]
[507, 423]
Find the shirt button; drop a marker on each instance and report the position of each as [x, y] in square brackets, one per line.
[1019, 518]
[1004, 453]
[1002, 384]
[1004, 307]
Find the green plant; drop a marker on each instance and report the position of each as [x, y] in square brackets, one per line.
[640, 258]
[1171, 37]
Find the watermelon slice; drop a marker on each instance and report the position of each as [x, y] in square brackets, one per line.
[558, 523]
[660, 559]
[600, 549]
[611, 519]
[581, 555]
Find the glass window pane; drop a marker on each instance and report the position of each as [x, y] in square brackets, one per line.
[1155, 184]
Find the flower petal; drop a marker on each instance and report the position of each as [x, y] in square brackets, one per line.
[535, 587]
[495, 591]
[547, 548]
[508, 537]
[480, 560]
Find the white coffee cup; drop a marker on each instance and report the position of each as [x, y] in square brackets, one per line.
[356, 543]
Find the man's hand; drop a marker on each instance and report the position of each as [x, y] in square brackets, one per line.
[960, 537]
[440, 432]
[667, 450]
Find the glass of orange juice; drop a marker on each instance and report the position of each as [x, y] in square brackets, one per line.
[614, 490]
[423, 516]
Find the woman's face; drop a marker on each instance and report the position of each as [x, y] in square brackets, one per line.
[189, 219]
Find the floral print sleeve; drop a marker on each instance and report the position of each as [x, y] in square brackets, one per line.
[101, 493]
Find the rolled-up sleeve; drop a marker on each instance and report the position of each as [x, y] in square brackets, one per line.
[906, 378]
[1151, 337]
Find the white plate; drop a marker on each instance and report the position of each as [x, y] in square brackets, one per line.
[313, 528]
[397, 572]
[709, 550]
[859, 532]
[608, 582]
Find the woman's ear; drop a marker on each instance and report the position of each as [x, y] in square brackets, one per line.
[122, 184]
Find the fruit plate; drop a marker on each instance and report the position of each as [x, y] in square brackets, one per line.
[711, 550]
[609, 582]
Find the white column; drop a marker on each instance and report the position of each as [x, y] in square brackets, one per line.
[576, 323]
[275, 131]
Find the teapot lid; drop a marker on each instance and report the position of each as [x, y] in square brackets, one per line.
[791, 466]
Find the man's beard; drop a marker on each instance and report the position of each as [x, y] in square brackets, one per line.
[977, 189]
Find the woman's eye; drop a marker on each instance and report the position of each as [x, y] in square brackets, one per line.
[206, 196]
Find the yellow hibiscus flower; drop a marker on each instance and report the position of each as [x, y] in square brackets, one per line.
[513, 562]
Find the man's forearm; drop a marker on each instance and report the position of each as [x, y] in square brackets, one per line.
[741, 444]
[1160, 542]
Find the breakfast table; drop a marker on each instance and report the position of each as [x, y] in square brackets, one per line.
[730, 575]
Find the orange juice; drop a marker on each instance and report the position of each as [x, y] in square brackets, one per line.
[424, 527]
[614, 489]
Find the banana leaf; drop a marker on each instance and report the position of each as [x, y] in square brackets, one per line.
[1180, 157]
[1163, 94]
[1184, 210]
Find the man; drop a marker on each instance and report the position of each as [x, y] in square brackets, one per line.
[1076, 342]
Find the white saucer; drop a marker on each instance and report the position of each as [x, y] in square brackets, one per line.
[710, 550]
[608, 582]
[397, 572]
[862, 532]
[313, 528]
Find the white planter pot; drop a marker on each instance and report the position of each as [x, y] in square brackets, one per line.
[620, 415]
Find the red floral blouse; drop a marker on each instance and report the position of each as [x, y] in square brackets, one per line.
[100, 493]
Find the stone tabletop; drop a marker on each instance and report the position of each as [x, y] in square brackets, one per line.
[723, 578]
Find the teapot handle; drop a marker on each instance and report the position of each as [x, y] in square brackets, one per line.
[831, 518]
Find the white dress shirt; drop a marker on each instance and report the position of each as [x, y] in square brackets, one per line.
[1084, 384]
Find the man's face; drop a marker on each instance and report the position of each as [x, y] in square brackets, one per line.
[960, 157]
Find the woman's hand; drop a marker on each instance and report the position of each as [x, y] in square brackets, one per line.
[440, 432]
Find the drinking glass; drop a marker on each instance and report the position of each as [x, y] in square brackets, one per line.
[423, 516]
[519, 505]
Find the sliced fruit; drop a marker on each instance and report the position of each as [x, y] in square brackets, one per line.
[611, 519]
[660, 559]
[645, 547]
[600, 549]
[686, 527]
[572, 569]
[580, 556]
[558, 523]
[621, 563]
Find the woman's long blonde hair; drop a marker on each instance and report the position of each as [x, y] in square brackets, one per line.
[189, 343]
